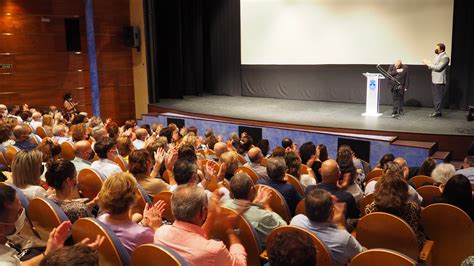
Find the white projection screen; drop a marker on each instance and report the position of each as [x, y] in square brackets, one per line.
[314, 32]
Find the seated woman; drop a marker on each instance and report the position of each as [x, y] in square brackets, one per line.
[442, 173]
[62, 176]
[391, 196]
[116, 199]
[125, 147]
[349, 175]
[457, 191]
[140, 166]
[26, 173]
[293, 164]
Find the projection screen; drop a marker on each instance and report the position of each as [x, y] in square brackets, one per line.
[313, 32]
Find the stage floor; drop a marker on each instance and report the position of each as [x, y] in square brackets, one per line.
[323, 114]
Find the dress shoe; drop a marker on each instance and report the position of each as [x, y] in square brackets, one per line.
[435, 114]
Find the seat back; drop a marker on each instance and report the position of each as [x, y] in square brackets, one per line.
[379, 256]
[89, 183]
[44, 216]
[42, 132]
[121, 162]
[36, 139]
[247, 235]
[384, 230]
[300, 208]
[142, 200]
[296, 183]
[372, 174]
[253, 175]
[452, 231]
[278, 204]
[428, 193]
[366, 200]
[323, 256]
[10, 153]
[241, 159]
[264, 162]
[111, 252]
[166, 197]
[3, 160]
[421, 180]
[304, 169]
[67, 151]
[147, 253]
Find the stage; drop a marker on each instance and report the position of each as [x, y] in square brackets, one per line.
[323, 114]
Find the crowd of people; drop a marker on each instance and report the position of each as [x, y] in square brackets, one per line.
[180, 160]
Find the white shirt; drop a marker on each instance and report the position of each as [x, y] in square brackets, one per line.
[36, 124]
[138, 144]
[32, 192]
[62, 139]
[106, 168]
[8, 256]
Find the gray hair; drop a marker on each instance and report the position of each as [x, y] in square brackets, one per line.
[187, 201]
[59, 129]
[276, 168]
[443, 172]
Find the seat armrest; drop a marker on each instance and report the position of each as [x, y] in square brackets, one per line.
[425, 253]
[264, 256]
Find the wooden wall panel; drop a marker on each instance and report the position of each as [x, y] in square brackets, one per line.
[43, 71]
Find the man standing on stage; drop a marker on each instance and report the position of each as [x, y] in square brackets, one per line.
[400, 72]
[438, 77]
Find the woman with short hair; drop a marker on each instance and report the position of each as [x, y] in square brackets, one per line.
[141, 167]
[26, 172]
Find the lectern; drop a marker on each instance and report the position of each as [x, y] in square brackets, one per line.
[373, 94]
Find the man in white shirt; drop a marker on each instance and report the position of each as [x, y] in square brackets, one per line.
[106, 149]
[255, 156]
[141, 134]
[83, 153]
[36, 121]
[60, 134]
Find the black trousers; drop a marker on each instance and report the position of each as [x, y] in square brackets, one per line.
[398, 100]
[438, 93]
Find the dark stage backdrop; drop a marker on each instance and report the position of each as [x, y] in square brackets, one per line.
[194, 47]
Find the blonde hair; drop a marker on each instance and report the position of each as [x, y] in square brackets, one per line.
[118, 193]
[47, 120]
[124, 145]
[230, 158]
[26, 168]
[190, 140]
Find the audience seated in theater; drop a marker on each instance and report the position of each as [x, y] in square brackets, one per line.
[36, 122]
[14, 111]
[255, 156]
[246, 142]
[457, 191]
[141, 167]
[106, 149]
[391, 196]
[384, 160]
[60, 134]
[6, 137]
[79, 132]
[288, 144]
[276, 170]
[116, 199]
[264, 146]
[278, 151]
[427, 167]
[50, 149]
[468, 168]
[22, 138]
[356, 161]
[99, 133]
[26, 172]
[292, 248]
[142, 135]
[124, 146]
[210, 139]
[188, 235]
[442, 173]
[113, 130]
[330, 174]
[62, 176]
[293, 167]
[349, 175]
[83, 155]
[398, 165]
[167, 132]
[219, 149]
[76, 255]
[48, 124]
[254, 205]
[231, 163]
[176, 137]
[325, 218]
[12, 219]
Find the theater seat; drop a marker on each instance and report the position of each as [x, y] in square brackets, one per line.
[111, 252]
[384, 230]
[421, 180]
[142, 200]
[67, 151]
[278, 204]
[166, 197]
[121, 162]
[323, 256]
[452, 230]
[253, 175]
[373, 174]
[295, 183]
[44, 216]
[89, 183]
[364, 202]
[40, 131]
[300, 208]
[428, 193]
[156, 253]
[10, 153]
[379, 256]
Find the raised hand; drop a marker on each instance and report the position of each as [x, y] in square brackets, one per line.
[57, 237]
[152, 215]
[159, 155]
[94, 245]
[264, 194]
[171, 158]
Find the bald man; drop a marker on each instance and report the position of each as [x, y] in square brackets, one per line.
[84, 154]
[22, 138]
[400, 72]
[330, 174]
[255, 156]
[142, 135]
[219, 148]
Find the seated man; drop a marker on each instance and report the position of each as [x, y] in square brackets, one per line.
[255, 205]
[468, 168]
[60, 134]
[326, 220]
[188, 235]
[83, 155]
[22, 137]
[106, 149]
[36, 116]
[276, 170]
[330, 174]
[255, 156]
[219, 148]
[142, 135]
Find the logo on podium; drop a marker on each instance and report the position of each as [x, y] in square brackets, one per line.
[372, 84]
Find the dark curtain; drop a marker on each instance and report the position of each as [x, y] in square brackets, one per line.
[193, 47]
[462, 64]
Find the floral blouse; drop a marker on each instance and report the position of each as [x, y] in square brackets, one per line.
[74, 209]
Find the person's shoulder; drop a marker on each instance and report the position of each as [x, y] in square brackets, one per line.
[299, 220]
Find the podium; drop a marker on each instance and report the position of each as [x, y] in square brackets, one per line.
[373, 94]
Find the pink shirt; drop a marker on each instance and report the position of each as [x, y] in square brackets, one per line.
[190, 241]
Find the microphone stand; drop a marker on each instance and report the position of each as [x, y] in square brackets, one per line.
[388, 76]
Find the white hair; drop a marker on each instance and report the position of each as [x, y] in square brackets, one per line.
[443, 172]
